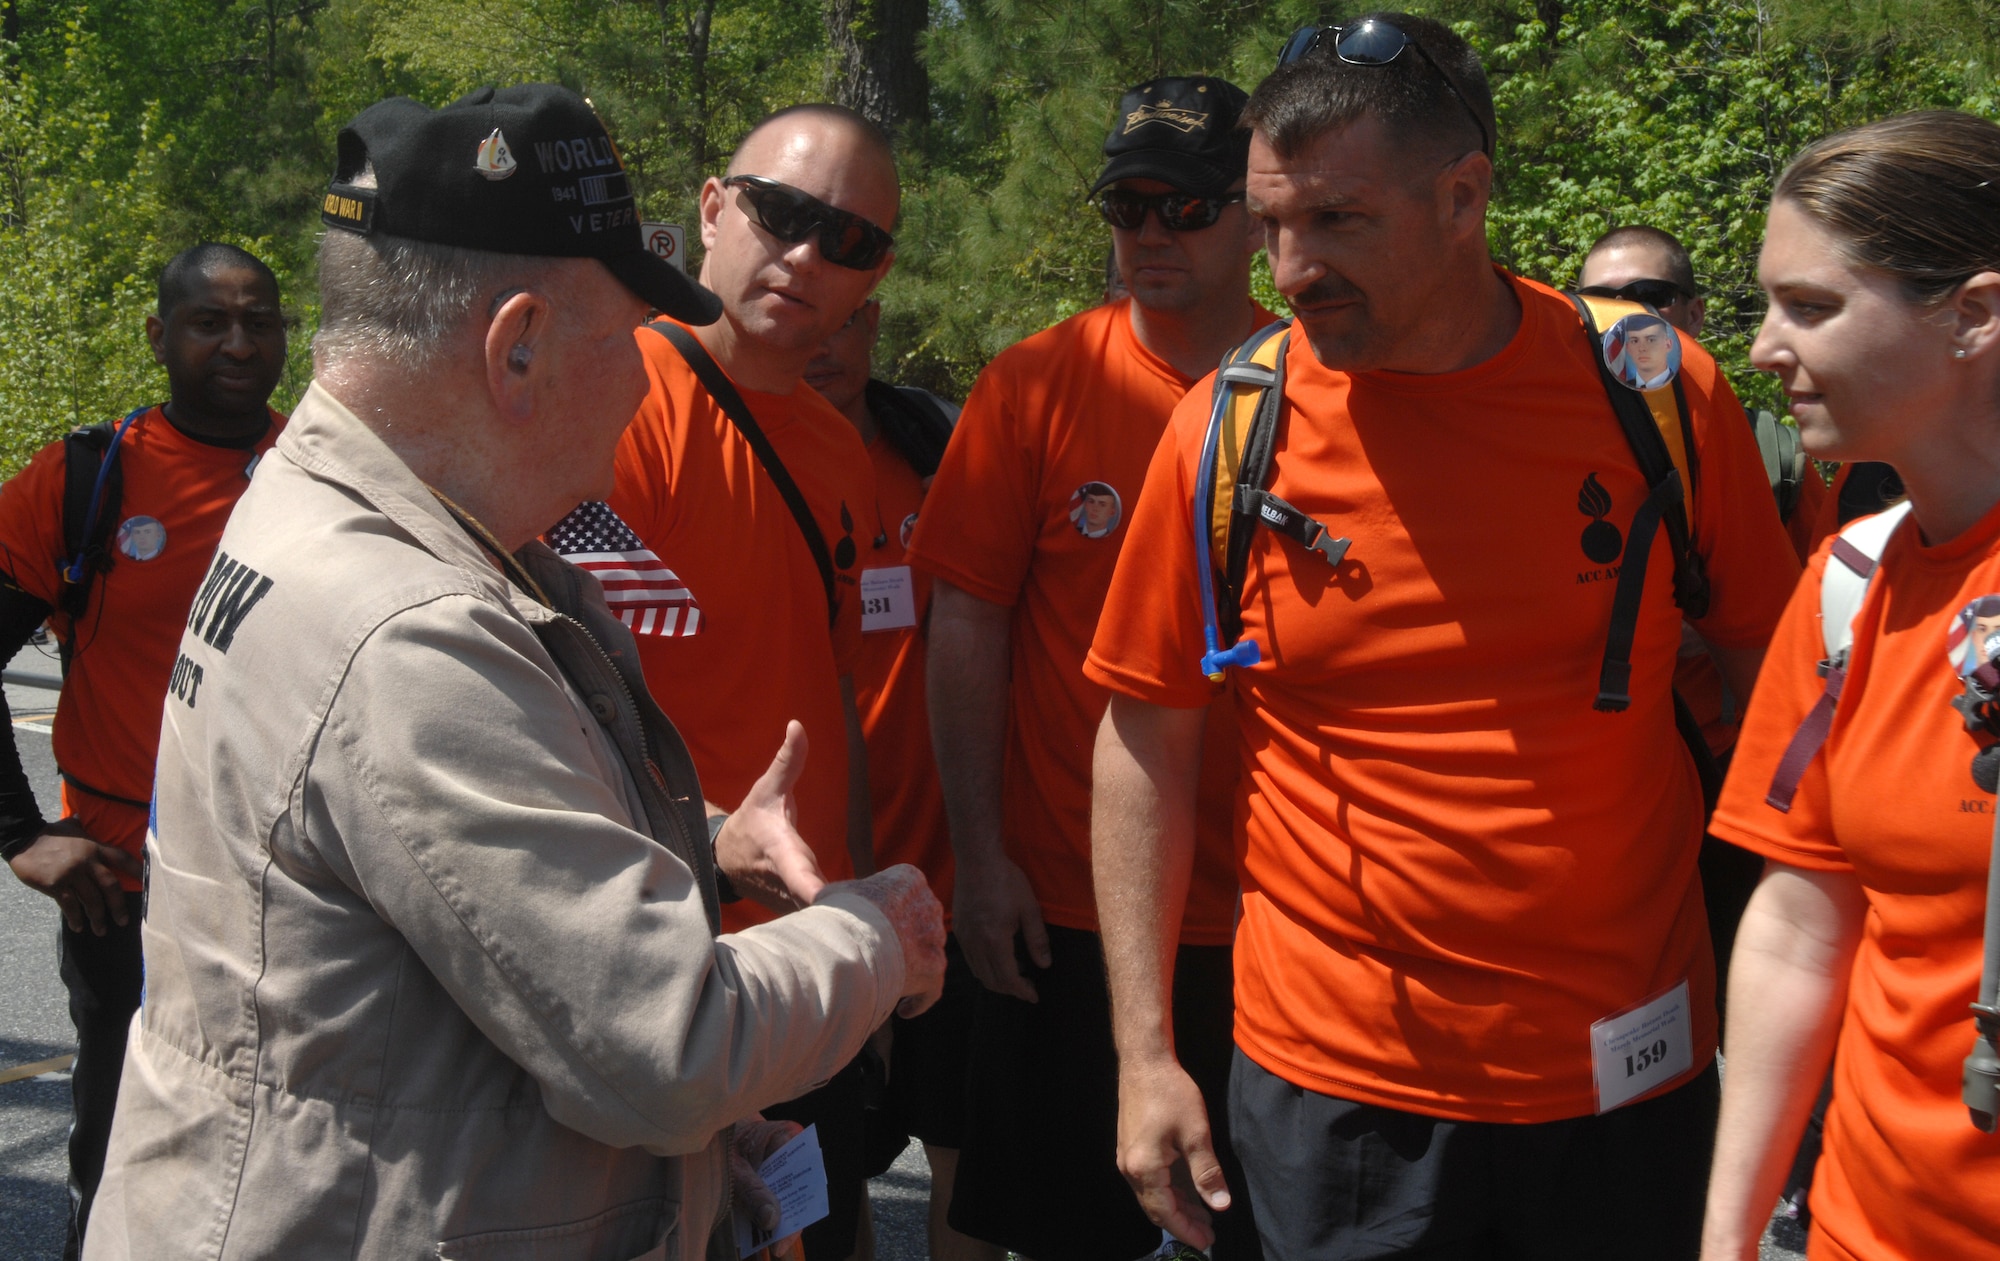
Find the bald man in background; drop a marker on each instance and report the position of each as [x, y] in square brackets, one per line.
[746, 609]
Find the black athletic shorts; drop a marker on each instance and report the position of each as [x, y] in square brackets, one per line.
[1336, 1180]
[927, 1060]
[1038, 1171]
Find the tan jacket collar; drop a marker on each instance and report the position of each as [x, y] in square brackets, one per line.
[329, 441]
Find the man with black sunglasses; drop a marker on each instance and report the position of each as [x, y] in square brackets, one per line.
[1472, 978]
[752, 500]
[1645, 264]
[1021, 531]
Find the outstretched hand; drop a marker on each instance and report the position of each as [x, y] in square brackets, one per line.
[1167, 1152]
[66, 863]
[760, 848]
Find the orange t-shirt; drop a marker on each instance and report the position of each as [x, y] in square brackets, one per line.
[178, 493]
[1452, 863]
[691, 488]
[906, 803]
[1890, 798]
[1030, 509]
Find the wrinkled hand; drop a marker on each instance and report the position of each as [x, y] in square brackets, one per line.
[66, 864]
[903, 895]
[991, 906]
[757, 1140]
[760, 848]
[1165, 1150]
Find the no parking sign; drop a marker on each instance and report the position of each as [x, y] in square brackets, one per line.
[666, 240]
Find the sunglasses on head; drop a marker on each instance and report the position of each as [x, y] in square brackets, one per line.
[1654, 293]
[1375, 42]
[844, 239]
[1178, 212]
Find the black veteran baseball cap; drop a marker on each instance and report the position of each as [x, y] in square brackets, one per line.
[1181, 132]
[522, 170]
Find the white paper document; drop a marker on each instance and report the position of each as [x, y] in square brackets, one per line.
[796, 1174]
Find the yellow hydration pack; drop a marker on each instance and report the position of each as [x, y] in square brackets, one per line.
[1232, 500]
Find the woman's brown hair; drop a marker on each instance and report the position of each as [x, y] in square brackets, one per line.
[1916, 195]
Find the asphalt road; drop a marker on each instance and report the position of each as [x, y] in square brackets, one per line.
[34, 1026]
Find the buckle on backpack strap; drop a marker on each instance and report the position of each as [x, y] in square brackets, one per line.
[1254, 375]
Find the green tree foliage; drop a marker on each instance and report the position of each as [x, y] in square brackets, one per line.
[132, 128]
[1681, 115]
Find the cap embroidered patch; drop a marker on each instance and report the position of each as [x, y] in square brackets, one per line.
[1186, 120]
[494, 160]
[348, 207]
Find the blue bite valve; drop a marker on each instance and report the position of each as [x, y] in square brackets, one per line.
[1244, 652]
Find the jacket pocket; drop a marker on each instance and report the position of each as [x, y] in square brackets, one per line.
[640, 1231]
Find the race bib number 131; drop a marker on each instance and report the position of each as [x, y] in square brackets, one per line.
[888, 599]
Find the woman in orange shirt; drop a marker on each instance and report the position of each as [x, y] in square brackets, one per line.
[1863, 940]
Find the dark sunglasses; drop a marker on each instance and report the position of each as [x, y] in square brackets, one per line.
[1375, 42]
[1654, 293]
[1179, 212]
[791, 215]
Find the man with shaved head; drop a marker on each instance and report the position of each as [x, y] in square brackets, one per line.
[116, 596]
[745, 500]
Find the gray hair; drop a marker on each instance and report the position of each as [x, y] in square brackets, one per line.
[394, 299]
[384, 297]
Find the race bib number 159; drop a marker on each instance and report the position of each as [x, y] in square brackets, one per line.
[1641, 1048]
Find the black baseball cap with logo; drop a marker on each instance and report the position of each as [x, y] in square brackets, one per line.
[523, 170]
[1181, 132]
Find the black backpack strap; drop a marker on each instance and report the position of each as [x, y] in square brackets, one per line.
[93, 490]
[723, 391]
[914, 422]
[1665, 507]
[1252, 472]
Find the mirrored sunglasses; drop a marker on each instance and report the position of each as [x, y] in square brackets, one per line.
[1654, 293]
[792, 215]
[1178, 212]
[1376, 42]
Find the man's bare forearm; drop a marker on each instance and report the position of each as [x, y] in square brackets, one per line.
[1787, 989]
[969, 669]
[1142, 822]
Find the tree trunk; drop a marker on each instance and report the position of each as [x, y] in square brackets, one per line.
[875, 67]
[694, 22]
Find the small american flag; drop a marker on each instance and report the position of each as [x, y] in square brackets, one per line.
[641, 590]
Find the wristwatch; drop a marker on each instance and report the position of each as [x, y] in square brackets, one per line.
[725, 892]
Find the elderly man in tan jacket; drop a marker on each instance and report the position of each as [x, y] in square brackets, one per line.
[431, 954]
